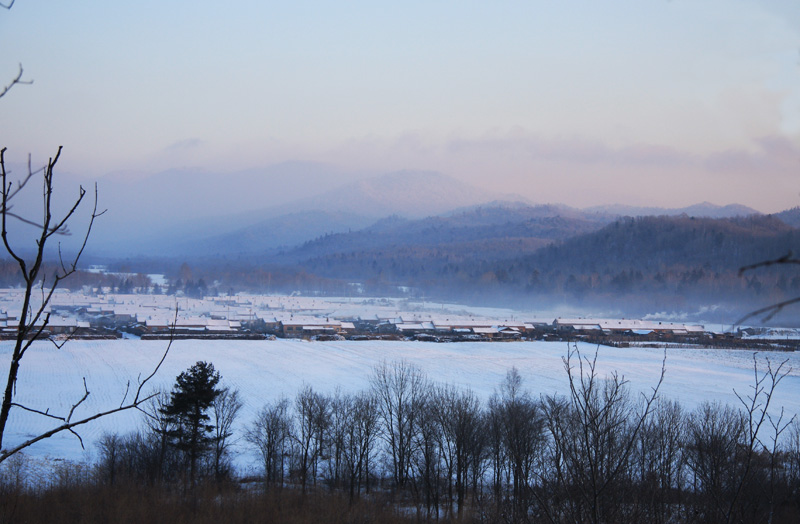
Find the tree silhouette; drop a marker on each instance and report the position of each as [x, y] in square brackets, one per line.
[188, 428]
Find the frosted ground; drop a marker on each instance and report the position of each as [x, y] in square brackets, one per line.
[265, 370]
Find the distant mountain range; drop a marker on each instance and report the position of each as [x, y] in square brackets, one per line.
[286, 206]
[413, 230]
[181, 212]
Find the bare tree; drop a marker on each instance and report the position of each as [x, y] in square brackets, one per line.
[659, 464]
[425, 479]
[224, 411]
[715, 458]
[109, 448]
[458, 414]
[39, 288]
[270, 434]
[793, 462]
[37, 293]
[359, 440]
[756, 406]
[400, 389]
[520, 432]
[313, 413]
[158, 426]
[17, 79]
[340, 421]
[597, 430]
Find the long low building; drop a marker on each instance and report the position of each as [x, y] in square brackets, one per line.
[191, 324]
[633, 326]
[307, 326]
[485, 328]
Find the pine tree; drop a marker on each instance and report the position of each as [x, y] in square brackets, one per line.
[189, 430]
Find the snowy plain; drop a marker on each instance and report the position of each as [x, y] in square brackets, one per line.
[51, 378]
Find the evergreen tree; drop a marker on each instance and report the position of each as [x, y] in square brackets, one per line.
[188, 428]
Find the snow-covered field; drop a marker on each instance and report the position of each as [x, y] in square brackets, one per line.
[264, 370]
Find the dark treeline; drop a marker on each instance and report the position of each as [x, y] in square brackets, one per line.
[10, 276]
[429, 452]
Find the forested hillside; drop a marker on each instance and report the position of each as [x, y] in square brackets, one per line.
[667, 261]
[505, 230]
[638, 264]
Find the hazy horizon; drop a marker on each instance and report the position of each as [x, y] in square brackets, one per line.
[646, 103]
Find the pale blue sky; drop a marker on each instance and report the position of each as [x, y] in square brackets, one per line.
[654, 102]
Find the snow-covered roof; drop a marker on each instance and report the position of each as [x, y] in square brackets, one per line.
[415, 326]
[300, 320]
[610, 325]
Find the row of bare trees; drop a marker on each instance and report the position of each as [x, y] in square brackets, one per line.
[597, 454]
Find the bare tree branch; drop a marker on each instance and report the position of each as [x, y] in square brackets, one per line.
[78, 403]
[34, 317]
[785, 259]
[17, 80]
[70, 426]
[11, 189]
[769, 311]
[45, 413]
[4, 454]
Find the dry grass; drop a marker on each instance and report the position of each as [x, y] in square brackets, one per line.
[131, 503]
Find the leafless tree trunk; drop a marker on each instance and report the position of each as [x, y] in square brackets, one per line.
[340, 411]
[110, 448]
[360, 435]
[426, 459]
[270, 434]
[714, 456]
[458, 414]
[793, 465]
[312, 424]
[158, 426]
[756, 412]
[400, 389]
[224, 411]
[659, 469]
[521, 433]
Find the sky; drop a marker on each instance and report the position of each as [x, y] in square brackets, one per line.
[647, 102]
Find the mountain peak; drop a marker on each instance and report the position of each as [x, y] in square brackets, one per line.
[407, 193]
